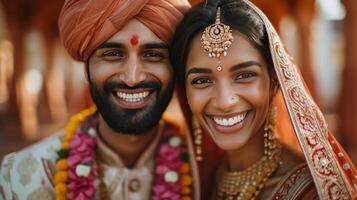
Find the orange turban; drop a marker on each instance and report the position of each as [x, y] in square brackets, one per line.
[86, 24]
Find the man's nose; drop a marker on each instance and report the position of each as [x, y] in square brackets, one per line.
[133, 73]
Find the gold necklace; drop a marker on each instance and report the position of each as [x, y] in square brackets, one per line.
[247, 184]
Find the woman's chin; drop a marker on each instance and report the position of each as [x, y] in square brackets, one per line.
[229, 146]
[231, 143]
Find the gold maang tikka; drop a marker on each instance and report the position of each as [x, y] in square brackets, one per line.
[216, 39]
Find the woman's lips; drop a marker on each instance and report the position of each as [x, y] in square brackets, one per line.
[229, 123]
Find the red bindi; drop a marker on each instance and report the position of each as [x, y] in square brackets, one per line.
[134, 40]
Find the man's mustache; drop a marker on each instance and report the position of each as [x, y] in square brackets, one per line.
[109, 86]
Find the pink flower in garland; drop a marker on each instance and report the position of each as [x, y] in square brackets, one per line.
[170, 156]
[81, 172]
[167, 182]
[82, 142]
[81, 189]
[81, 149]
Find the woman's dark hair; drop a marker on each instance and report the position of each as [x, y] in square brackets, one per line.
[235, 13]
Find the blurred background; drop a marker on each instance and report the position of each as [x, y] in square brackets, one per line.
[41, 86]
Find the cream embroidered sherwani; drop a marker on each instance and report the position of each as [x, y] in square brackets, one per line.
[28, 174]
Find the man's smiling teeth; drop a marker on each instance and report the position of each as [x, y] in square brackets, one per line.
[135, 97]
[229, 121]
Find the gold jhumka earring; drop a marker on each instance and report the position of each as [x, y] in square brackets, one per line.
[247, 184]
[197, 135]
[216, 39]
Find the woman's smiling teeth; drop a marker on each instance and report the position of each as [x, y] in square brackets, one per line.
[133, 97]
[231, 121]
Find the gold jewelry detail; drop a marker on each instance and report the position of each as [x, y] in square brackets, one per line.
[216, 39]
[247, 184]
[197, 134]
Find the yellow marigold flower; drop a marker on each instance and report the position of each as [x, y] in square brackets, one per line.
[78, 117]
[186, 180]
[61, 177]
[185, 168]
[61, 189]
[186, 190]
[61, 165]
[68, 137]
[65, 145]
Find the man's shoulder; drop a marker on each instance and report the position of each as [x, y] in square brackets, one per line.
[45, 148]
[30, 170]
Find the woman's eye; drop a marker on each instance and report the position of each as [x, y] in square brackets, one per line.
[201, 82]
[113, 55]
[245, 75]
[153, 56]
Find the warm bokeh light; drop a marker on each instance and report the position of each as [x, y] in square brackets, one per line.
[6, 70]
[332, 9]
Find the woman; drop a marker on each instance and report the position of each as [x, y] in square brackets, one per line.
[243, 89]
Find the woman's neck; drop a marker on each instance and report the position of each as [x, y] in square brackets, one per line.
[246, 156]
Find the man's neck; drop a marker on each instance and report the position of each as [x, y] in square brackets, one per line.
[127, 147]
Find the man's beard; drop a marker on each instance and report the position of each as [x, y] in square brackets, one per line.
[131, 121]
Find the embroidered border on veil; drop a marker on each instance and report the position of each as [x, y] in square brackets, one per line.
[333, 172]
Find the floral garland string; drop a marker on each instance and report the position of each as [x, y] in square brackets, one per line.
[172, 175]
[76, 168]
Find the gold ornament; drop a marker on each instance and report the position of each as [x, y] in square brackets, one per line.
[247, 184]
[197, 134]
[216, 39]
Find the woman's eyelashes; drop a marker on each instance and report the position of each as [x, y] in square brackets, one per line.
[201, 82]
[245, 76]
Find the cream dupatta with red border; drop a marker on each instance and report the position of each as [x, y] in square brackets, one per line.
[333, 173]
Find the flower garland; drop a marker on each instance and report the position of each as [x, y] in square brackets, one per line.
[172, 174]
[76, 169]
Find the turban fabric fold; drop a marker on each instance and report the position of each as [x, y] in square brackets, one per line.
[86, 24]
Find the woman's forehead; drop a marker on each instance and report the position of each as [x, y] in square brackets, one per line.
[241, 50]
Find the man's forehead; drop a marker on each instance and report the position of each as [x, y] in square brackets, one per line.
[134, 28]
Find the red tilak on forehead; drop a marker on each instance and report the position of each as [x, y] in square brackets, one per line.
[134, 40]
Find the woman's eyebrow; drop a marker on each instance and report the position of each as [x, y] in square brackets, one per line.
[244, 64]
[196, 70]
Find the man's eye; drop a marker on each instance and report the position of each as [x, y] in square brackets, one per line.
[245, 75]
[153, 56]
[201, 82]
[113, 55]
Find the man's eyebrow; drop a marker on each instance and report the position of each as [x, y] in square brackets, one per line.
[111, 45]
[243, 65]
[155, 45]
[198, 71]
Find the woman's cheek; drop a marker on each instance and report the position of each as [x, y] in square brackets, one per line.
[196, 100]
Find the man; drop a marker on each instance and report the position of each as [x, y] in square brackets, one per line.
[121, 149]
